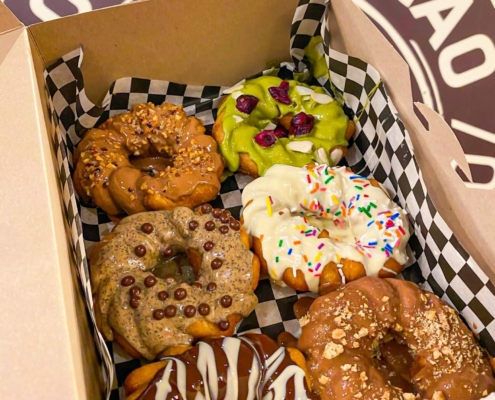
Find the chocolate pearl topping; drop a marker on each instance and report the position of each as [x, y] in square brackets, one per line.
[149, 281]
[208, 246]
[170, 311]
[180, 294]
[224, 229]
[224, 218]
[216, 263]
[135, 290]
[147, 228]
[204, 309]
[210, 225]
[134, 301]
[193, 225]
[197, 284]
[140, 250]
[168, 252]
[206, 208]
[212, 286]
[226, 213]
[216, 212]
[223, 325]
[190, 311]
[169, 280]
[158, 314]
[163, 295]
[235, 225]
[127, 280]
[226, 301]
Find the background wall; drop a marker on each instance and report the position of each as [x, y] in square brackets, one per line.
[449, 45]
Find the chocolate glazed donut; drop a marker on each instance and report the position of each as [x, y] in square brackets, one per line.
[150, 314]
[150, 158]
[250, 367]
[344, 333]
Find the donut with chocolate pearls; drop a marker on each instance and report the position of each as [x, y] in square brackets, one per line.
[149, 158]
[347, 334]
[317, 227]
[148, 314]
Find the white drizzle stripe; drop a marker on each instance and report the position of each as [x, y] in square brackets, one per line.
[163, 387]
[260, 368]
[317, 199]
[208, 369]
[279, 385]
[273, 363]
[231, 349]
[254, 379]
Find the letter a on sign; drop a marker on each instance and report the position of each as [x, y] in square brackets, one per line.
[443, 27]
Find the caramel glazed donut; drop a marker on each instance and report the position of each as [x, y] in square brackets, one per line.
[267, 121]
[435, 355]
[147, 314]
[246, 368]
[150, 158]
[317, 227]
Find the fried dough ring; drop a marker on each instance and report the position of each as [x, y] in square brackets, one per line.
[332, 275]
[248, 166]
[149, 158]
[141, 378]
[131, 301]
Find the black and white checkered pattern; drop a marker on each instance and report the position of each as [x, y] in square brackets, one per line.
[381, 147]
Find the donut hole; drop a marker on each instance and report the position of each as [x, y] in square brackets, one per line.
[152, 165]
[178, 265]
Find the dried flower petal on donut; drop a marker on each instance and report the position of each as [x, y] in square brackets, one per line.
[262, 122]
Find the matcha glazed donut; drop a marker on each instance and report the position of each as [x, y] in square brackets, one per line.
[267, 121]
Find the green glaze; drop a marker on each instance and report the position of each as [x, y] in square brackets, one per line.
[316, 58]
[328, 131]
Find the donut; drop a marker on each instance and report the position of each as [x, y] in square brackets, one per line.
[149, 158]
[267, 121]
[317, 227]
[388, 339]
[251, 367]
[146, 297]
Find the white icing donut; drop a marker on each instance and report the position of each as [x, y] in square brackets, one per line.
[289, 206]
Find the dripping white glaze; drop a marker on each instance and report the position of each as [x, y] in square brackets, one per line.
[163, 387]
[288, 207]
[231, 348]
[261, 371]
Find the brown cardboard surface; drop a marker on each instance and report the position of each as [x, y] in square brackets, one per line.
[8, 21]
[38, 352]
[47, 341]
[435, 148]
[172, 40]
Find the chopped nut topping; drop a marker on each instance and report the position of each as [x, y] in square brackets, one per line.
[338, 334]
[385, 298]
[332, 350]
[323, 379]
[304, 320]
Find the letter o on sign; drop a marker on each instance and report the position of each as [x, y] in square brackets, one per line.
[457, 80]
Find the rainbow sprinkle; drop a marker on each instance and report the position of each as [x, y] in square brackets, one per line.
[289, 252]
[321, 245]
[269, 206]
[280, 243]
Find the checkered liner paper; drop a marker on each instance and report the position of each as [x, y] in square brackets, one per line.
[381, 147]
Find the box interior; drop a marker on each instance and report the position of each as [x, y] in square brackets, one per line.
[194, 43]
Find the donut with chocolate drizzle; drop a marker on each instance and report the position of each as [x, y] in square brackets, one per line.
[249, 367]
[149, 308]
[149, 158]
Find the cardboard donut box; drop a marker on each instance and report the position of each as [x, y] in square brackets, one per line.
[47, 349]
